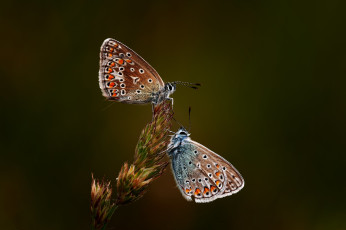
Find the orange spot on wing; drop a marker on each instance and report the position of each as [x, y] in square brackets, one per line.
[109, 70]
[113, 64]
[187, 190]
[212, 188]
[128, 60]
[111, 84]
[217, 174]
[217, 182]
[111, 49]
[116, 45]
[114, 95]
[110, 55]
[217, 166]
[205, 190]
[121, 61]
[197, 191]
[110, 77]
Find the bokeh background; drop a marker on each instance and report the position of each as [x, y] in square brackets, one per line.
[272, 102]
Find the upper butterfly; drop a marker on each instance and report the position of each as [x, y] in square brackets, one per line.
[201, 174]
[126, 77]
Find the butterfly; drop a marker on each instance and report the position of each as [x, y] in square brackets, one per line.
[201, 174]
[126, 77]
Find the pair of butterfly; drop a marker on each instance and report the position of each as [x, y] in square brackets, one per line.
[201, 174]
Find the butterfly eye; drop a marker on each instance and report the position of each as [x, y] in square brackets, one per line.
[169, 87]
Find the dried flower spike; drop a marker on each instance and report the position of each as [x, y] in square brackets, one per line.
[134, 179]
[102, 208]
[148, 161]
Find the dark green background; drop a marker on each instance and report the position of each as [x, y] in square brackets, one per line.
[272, 103]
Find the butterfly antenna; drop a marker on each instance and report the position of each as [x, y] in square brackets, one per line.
[189, 118]
[188, 84]
[178, 122]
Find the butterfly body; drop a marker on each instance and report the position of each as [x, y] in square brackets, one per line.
[201, 174]
[126, 77]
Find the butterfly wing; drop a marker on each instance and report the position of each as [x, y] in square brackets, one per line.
[220, 171]
[203, 175]
[185, 171]
[125, 76]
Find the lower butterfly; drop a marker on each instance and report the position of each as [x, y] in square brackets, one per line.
[126, 77]
[201, 174]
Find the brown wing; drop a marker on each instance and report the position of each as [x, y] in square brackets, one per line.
[222, 173]
[125, 76]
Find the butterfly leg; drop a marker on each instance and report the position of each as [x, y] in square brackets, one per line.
[170, 99]
[152, 111]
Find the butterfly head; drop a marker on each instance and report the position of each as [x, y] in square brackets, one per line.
[170, 87]
[182, 132]
[179, 138]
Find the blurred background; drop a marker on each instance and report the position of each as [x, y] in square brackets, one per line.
[272, 102]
